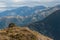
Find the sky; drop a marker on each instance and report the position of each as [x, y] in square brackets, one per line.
[9, 4]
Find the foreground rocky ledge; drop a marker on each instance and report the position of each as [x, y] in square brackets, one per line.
[21, 33]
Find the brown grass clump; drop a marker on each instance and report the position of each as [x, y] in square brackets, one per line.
[21, 33]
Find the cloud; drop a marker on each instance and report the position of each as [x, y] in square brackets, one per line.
[47, 0]
[18, 3]
[31, 3]
[2, 6]
[32, 0]
[16, 0]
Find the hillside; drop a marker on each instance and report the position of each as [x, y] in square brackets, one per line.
[50, 26]
[21, 33]
[54, 22]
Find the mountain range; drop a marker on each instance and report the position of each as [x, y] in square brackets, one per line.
[49, 26]
[22, 11]
[41, 19]
[7, 17]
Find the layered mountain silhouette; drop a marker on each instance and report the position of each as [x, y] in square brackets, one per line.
[50, 26]
[45, 22]
[10, 16]
[22, 11]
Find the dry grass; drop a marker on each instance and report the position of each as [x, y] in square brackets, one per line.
[21, 33]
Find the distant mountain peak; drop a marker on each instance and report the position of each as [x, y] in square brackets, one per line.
[22, 11]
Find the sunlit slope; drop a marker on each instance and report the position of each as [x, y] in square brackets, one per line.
[21, 33]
